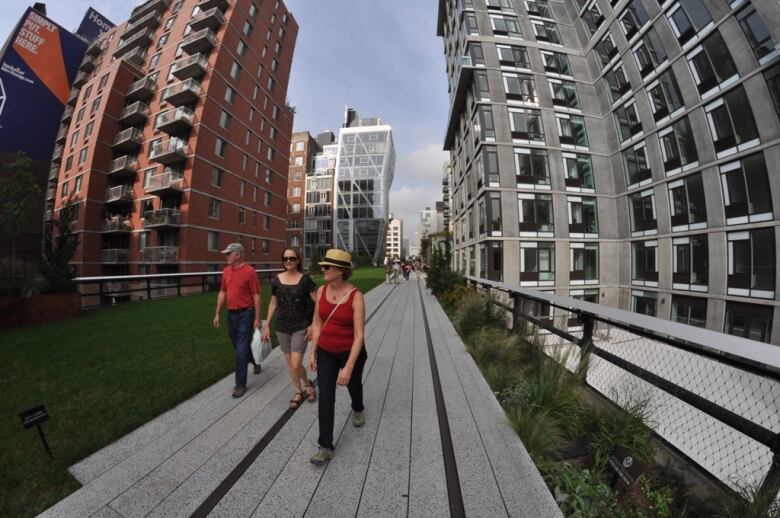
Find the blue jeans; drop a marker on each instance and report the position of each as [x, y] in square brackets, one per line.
[240, 331]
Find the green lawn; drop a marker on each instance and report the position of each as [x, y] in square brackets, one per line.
[100, 377]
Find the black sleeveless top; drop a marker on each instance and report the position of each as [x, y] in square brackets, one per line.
[294, 308]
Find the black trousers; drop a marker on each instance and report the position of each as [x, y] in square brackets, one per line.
[328, 365]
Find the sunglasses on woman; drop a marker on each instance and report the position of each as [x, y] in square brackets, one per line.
[324, 267]
[290, 259]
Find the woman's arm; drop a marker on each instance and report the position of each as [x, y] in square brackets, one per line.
[359, 326]
[271, 310]
[316, 326]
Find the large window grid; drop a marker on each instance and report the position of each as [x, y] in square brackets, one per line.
[732, 124]
[578, 170]
[690, 19]
[546, 31]
[749, 321]
[520, 88]
[643, 214]
[665, 97]
[537, 263]
[678, 147]
[690, 263]
[650, 54]
[505, 25]
[526, 126]
[606, 50]
[512, 56]
[556, 63]
[535, 215]
[687, 206]
[712, 67]
[645, 263]
[571, 131]
[629, 125]
[531, 168]
[633, 19]
[751, 258]
[564, 94]
[636, 166]
[746, 190]
[617, 81]
[491, 254]
[644, 302]
[583, 217]
[584, 261]
[757, 34]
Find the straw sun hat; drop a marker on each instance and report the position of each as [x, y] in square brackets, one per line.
[337, 258]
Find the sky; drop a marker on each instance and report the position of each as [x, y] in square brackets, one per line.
[381, 58]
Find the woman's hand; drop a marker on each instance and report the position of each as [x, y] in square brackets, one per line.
[266, 333]
[308, 334]
[344, 374]
[313, 362]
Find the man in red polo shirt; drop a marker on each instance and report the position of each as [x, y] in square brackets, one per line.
[241, 289]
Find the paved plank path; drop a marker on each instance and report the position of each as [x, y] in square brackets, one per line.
[435, 443]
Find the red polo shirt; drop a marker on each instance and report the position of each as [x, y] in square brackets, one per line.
[240, 285]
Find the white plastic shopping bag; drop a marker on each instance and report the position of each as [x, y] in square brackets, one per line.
[260, 349]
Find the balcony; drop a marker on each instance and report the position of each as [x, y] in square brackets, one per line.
[199, 42]
[192, 67]
[157, 6]
[94, 49]
[56, 156]
[54, 173]
[149, 21]
[119, 195]
[162, 218]
[51, 193]
[123, 166]
[165, 184]
[205, 5]
[135, 57]
[141, 90]
[128, 140]
[114, 255]
[175, 121]
[185, 92]
[211, 19]
[61, 134]
[116, 225]
[138, 40]
[135, 113]
[48, 215]
[67, 115]
[160, 254]
[80, 80]
[88, 64]
[73, 97]
[169, 152]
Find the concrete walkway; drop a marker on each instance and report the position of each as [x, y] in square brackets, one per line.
[408, 460]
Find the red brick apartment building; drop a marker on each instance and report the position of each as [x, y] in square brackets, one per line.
[302, 150]
[177, 136]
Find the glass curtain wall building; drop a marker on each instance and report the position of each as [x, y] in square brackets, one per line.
[318, 224]
[620, 151]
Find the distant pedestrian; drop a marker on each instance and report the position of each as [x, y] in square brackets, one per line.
[240, 288]
[388, 270]
[292, 294]
[338, 353]
[396, 272]
[407, 270]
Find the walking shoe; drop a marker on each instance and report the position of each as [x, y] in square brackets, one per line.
[258, 368]
[238, 391]
[322, 456]
[358, 419]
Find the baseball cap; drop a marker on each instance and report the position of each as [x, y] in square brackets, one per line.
[234, 247]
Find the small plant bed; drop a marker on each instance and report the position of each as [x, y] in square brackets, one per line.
[570, 431]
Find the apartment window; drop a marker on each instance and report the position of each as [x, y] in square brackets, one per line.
[213, 241]
[216, 177]
[556, 63]
[757, 34]
[266, 198]
[546, 31]
[564, 94]
[270, 154]
[487, 168]
[247, 30]
[531, 168]
[235, 70]
[79, 115]
[772, 77]
[73, 138]
[526, 125]
[177, 6]
[87, 93]
[665, 97]
[83, 155]
[77, 184]
[592, 17]
[512, 56]
[645, 254]
[95, 105]
[649, 53]
[688, 208]
[64, 191]
[606, 49]
[688, 19]
[571, 130]
[491, 260]
[220, 147]
[751, 255]
[643, 215]
[537, 263]
[690, 263]
[583, 216]
[230, 94]
[584, 260]
[252, 10]
[633, 18]
[732, 124]
[470, 24]
[535, 214]
[579, 172]
[644, 302]
[484, 129]
[538, 8]
[520, 87]
[241, 48]
[479, 86]
[268, 176]
[214, 208]
[627, 121]
[267, 222]
[296, 191]
[103, 81]
[678, 147]
[162, 41]
[275, 112]
[269, 85]
[635, 166]
[618, 82]
[749, 321]
[68, 163]
[746, 190]
[154, 60]
[712, 66]
[504, 25]
[241, 216]
[475, 52]
[224, 119]
[88, 130]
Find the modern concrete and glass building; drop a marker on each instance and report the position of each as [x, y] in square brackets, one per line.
[428, 223]
[318, 222]
[365, 167]
[620, 151]
[176, 142]
[395, 232]
[302, 150]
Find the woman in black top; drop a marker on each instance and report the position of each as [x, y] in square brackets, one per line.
[292, 300]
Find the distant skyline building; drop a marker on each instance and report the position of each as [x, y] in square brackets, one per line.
[620, 152]
[365, 167]
[303, 148]
[427, 223]
[319, 201]
[395, 234]
[176, 138]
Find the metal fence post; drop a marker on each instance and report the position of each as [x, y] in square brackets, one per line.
[103, 300]
[515, 312]
[178, 286]
[586, 344]
[148, 289]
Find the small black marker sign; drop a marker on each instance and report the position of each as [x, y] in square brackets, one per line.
[34, 417]
[626, 468]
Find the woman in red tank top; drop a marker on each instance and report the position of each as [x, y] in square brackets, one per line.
[337, 350]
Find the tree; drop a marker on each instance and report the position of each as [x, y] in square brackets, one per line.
[314, 268]
[19, 203]
[58, 252]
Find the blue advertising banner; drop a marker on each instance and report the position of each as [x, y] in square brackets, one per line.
[93, 25]
[37, 68]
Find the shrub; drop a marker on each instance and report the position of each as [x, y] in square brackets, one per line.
[580, 492]
[624, 426]
[660, 498]
[500, 376]
[751, 503]
[538, 430]
[451, 299]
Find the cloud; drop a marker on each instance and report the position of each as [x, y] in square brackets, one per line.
[424, 165]
[407, 202]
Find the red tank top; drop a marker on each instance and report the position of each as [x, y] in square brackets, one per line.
[337, 334]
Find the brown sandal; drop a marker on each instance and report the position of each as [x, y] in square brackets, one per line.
[311, 393]
[297, 399]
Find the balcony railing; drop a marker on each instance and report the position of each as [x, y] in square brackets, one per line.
[88, 64]
[148, 21]
[165, 184]
[73, 97]
[120, 194]
[51, 192]
[205, 5]
[175, 121]
[54, 173]
[184, 92]
[141, 90]
[138, 40]
[114, 255]
[80, 80]
[162, 218]
[116, 224]
[210, 19]
[160, 254]
[193, 66]
[128, 139]
[67, 115]
[134, 113]
[123, 166]
[199, 42]
[135, 57]
[142, 10]
[56, 156]
[169, 152]
[48, 215]
[61, 134]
